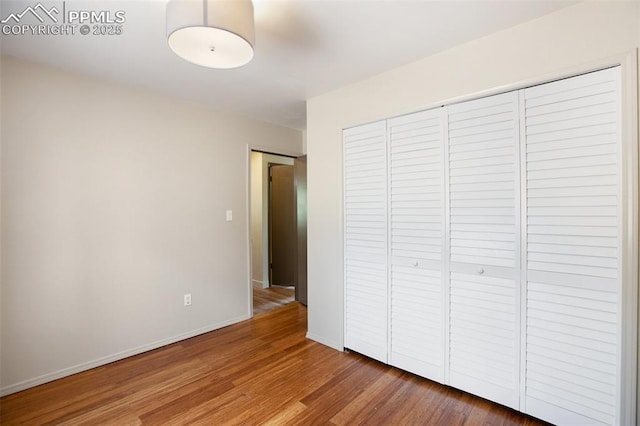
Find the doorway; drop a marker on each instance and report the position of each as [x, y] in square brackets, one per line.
[278, 269]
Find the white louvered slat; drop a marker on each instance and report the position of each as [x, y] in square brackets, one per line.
[483, 346]
[483, 137]
[573, 270]
[484, 228]
[416, 243]
[365, 239]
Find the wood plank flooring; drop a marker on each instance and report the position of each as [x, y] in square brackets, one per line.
[261, 371]
[268, 299]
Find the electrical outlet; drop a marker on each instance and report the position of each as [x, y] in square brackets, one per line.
[187, 299]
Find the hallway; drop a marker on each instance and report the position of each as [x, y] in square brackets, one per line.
[268, 299]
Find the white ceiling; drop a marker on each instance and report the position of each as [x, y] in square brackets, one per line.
[303, 48]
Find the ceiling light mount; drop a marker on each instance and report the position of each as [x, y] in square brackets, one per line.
[211, 33]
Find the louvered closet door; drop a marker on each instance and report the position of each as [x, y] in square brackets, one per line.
[484, 332]
[365, 245]
[573, 268]
[416, 194]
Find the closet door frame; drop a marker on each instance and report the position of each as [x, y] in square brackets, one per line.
[629, 230]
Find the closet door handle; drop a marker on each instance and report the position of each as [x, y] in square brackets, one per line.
[415, 263]
[480, 271]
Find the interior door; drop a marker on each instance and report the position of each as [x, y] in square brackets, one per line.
[282, 226]
[365, 239]
[484, 331]
[416, 197]
[573, 247]
[300, 182]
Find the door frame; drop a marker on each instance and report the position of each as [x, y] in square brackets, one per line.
[249, 261]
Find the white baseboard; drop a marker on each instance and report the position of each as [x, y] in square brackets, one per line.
[26, 384]
[327, 342]
[261, 284]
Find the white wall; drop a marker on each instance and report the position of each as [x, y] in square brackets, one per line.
[540, 49]
[260, 214]
[114, 206]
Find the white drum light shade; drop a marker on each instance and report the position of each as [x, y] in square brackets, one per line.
[211, 33]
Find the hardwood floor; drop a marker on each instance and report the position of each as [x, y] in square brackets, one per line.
[268, 299]
[260, 371]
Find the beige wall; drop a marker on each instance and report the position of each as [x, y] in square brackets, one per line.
[114, 206]
[304, 141]
[548, 47]
[256, 219]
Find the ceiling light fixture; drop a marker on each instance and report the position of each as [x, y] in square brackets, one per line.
[211, 33]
